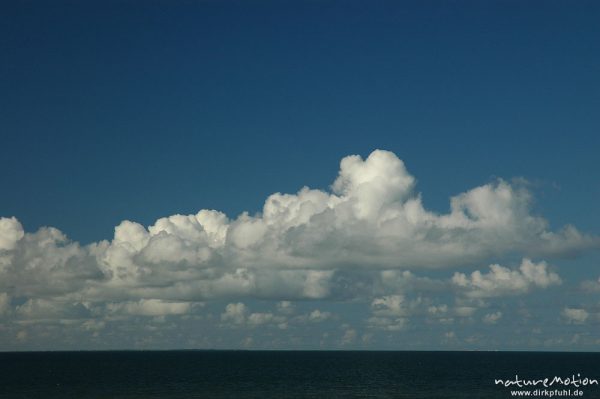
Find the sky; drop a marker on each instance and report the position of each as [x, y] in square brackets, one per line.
[300, 175]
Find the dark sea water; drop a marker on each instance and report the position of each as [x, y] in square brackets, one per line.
[283, 374]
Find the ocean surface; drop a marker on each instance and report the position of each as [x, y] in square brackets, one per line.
[287, 374]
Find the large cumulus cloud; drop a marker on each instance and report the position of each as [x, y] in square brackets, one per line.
[367, 235]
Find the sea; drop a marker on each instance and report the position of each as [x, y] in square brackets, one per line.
[297, 374]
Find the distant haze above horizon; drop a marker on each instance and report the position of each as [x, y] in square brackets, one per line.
[300, 175]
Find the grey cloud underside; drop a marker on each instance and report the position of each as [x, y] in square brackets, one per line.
[367, 238]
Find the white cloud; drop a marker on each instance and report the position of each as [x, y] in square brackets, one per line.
[492, 318]
[11, 232]
[574, 315]
[348, 337]
[591, 286]
[316, 316]
[391, 312]
[366, 237]
[267, 318]
[256, 319]
[235, 313]
[372, 219]
[504, 281]
[438, 311]
[391, 305]
[387, 323]
[150, 307]
[373, 185]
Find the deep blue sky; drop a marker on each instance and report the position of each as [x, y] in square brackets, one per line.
[118, 110]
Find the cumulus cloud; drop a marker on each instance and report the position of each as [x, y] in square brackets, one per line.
[591, 286]
[437, 311]
[11, 232]
[574, 315]
[504, 281]
[392, 305]
[316, 316]
[349, 337]
[46, 264]
[391, 312]
[268, 319]
[492, 318]
[235, 313]
[150, 307]
[256, 319]
[366, 236]
[387, 323]
[238, 314]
